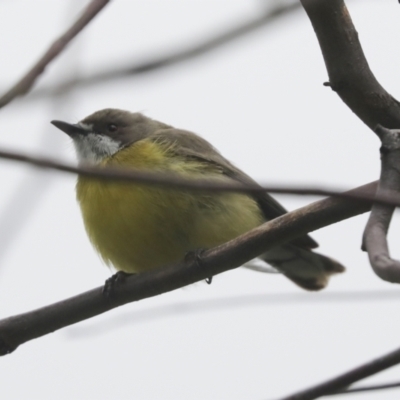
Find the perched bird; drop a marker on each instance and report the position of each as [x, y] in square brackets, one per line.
[136, 227]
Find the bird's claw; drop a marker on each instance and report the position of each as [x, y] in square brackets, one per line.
[195, 256]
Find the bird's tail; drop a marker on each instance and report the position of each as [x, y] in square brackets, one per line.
[308, 269]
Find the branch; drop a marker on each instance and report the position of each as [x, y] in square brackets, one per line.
[178, 56]
[24, 327]
[26, 82]
[367, 388]
[169, 180]
[17, 211]
[349, 73]
[337, 384]
[374, 238]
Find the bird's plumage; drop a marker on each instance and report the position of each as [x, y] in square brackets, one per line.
[136, 227]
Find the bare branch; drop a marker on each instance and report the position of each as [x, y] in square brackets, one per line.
[24, 327]
[337, 384]
[16, 213]
[370, 388]
[182, 55]
[374, 238]
[348, 69]
[169, 180]
[26, 82]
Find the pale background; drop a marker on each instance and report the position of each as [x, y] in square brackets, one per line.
[261, 102]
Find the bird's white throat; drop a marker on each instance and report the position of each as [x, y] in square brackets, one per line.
[93, 148]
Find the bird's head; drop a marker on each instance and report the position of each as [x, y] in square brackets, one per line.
[102, 134]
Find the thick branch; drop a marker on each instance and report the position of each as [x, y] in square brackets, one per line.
[374, 238]
[348, 69]
[26, 82]
[348, 378]
[22, 328]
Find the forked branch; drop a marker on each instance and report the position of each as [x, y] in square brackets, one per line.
[349, 73]
[374, 238]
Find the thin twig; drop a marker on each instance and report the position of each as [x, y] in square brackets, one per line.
[24, 327]
[349, 73]
[25, 198]
[169, 180]
[367, 388]
[374, 238]
[188, 53]
[342, 381]
[26, 82]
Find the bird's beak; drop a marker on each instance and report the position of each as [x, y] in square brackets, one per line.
[72, 130]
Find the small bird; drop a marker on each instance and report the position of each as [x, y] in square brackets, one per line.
[137, 227]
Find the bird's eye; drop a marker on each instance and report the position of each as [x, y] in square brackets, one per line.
[112, 127]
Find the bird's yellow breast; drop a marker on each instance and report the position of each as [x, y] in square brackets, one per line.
[136, 227]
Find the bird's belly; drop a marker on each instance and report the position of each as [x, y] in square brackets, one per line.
[137, 228]
[134, 228]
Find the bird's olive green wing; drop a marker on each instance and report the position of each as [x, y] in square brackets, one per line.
[191, 146]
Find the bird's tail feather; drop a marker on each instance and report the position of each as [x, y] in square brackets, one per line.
[308, 269]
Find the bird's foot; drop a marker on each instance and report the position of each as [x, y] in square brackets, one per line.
[196, 257]
[114, 281]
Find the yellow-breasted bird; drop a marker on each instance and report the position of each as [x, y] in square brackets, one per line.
[137, 227]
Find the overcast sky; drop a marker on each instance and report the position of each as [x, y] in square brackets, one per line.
[261, 102]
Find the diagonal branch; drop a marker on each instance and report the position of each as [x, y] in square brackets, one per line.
[374, 238]
[349, 73]
[178, 56]
[370, 388]
[337, 384]
[26, 82]
[15, 214]
[24, 327]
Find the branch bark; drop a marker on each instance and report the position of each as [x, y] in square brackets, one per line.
[337, 384]
[24, 327]
[367, 388]
[27, 81]
[349, 73]
[374, 238]
[351, 77]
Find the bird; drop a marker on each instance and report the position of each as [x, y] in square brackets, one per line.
[138, 227]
